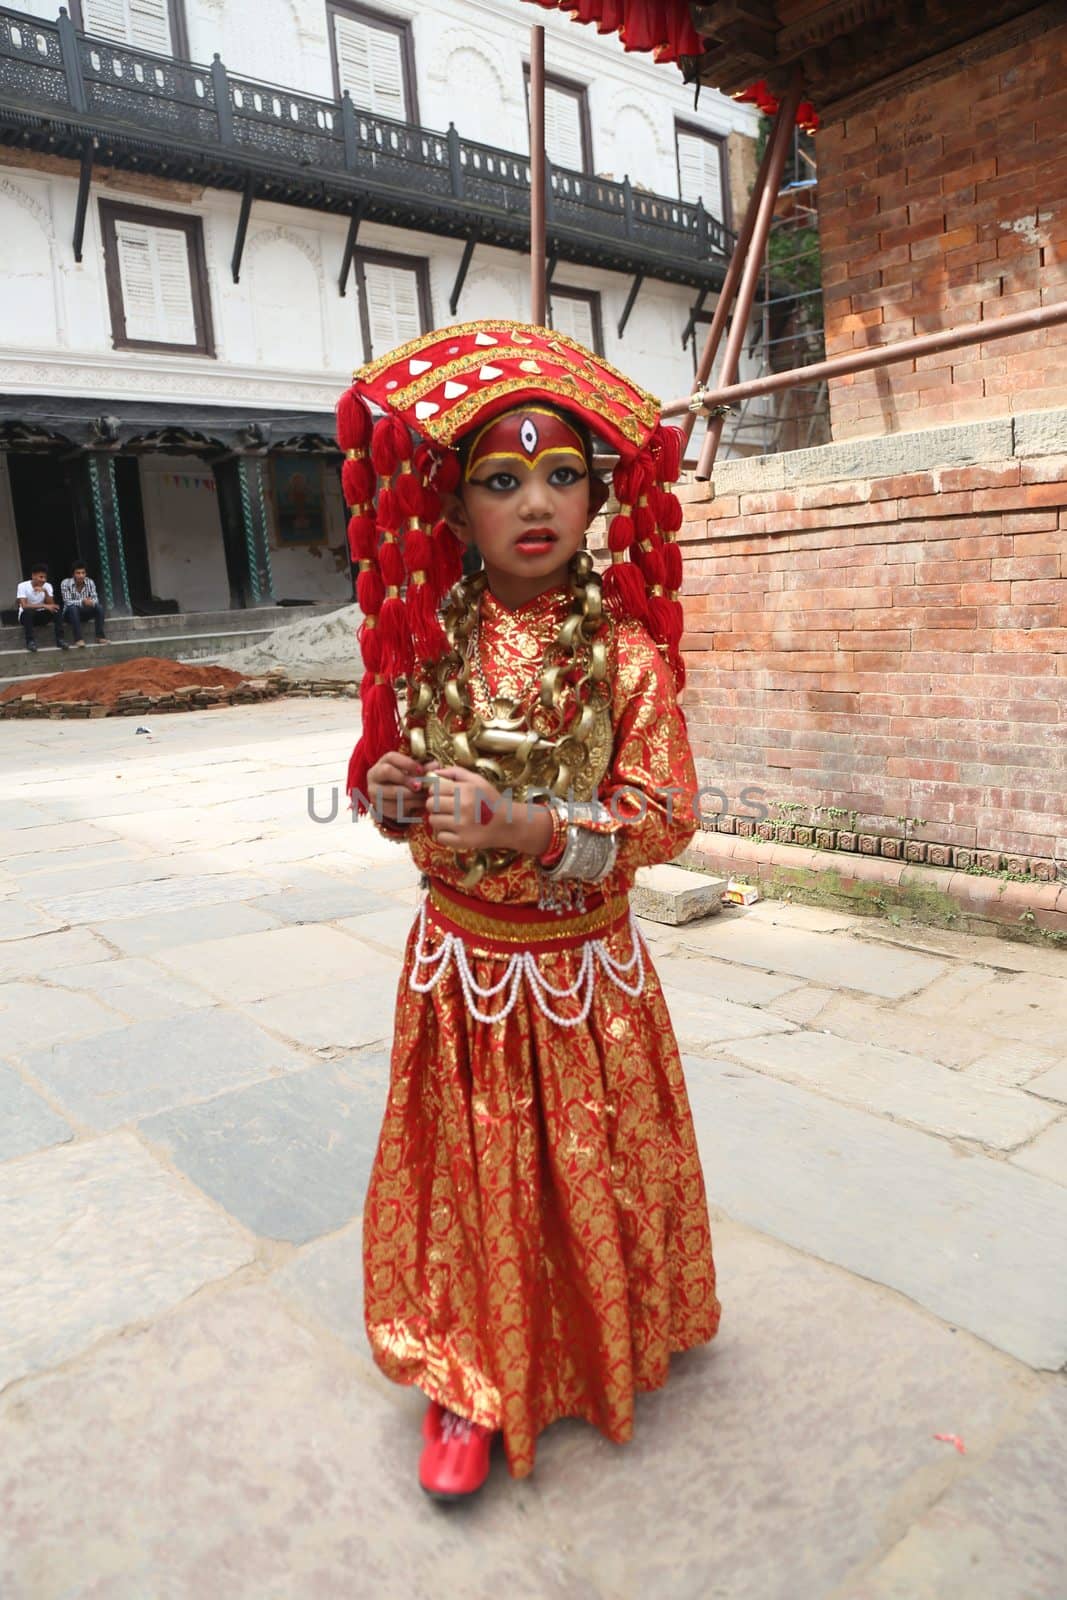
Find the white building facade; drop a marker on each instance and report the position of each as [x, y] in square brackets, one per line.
[195, 260]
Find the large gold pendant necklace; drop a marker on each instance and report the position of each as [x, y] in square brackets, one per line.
[560, 746]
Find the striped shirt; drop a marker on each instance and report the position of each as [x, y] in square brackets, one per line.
[72, 595]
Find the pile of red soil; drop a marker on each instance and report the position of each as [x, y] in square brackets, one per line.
[101, 686]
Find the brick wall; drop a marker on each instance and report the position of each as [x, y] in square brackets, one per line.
[943, 206]
[883, 628]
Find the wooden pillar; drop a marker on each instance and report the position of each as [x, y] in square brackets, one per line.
[242, 489]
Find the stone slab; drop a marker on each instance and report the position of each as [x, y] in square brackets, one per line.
[324, 1280]
[48, 841]
[974, 1240]
[720, 980]
[670, 894]
[1047, 1154]
[779, 1458]
[163, 930]
[1050, 1085]
[21, 921]
[27, 1123]
[97, 1236]
[321, 897]
[1030, 1008]
[895, 1083]
[701, 1023]
[950, 1042]
[998, 1529]
[336, 1016]
[114, 1078]
[36, 1014]
[248, 1459]
[48, 954]
[849, 963]
[1012, 1064]
[289, 1158]
[1041, 433]
[157, 895]
[259, 966]
[389, 929]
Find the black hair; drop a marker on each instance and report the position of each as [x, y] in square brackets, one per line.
[39, 566]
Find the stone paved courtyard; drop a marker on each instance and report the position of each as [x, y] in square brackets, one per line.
[196, 988]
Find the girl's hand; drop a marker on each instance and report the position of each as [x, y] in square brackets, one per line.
[466, 812]
[396, 786]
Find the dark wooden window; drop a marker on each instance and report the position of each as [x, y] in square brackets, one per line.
[577, 312]
[394, 300]
[568, 131]
[374, 59]
[701, 158]
[156, 279]
[156, 25]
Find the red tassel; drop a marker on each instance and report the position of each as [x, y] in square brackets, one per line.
[430, 507]
[391, 564]
[644, 523]
[381, 733]
[396, 639]
[668, 444]
[388, 511]
[370, 648]
[353, 421]
[409, 495]
[620, 533]
[390, 444]
[426, 632]
[370, 592]
[672, 566]
[626, 481]
[651, 565]
[446, 563]
[362, 538]
[624, 591]
[660, 619]
[669, 516]
[358, 481]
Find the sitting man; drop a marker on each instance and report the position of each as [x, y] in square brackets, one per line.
[37, 605]
[80, 600]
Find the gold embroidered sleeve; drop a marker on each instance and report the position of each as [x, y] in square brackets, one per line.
[651, 785]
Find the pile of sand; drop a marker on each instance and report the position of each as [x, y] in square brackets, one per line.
[315, 647]
[101, 686]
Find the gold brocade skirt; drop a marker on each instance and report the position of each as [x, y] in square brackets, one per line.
[536, 1238]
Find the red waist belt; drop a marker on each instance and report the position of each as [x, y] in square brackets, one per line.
[503, 929]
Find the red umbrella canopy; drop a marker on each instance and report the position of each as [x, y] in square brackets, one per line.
[665, 28]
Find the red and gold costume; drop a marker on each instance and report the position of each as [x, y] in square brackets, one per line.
[536, 1239]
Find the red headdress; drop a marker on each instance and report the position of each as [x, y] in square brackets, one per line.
[432, 392]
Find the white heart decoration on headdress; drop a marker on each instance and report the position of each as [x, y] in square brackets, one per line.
[488, 373]
[484, 338]
[453, 390]
[415, 366]
[426, 408]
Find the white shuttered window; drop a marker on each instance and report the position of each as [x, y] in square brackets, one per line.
[392, 305]
[700, 171]
[579, 316]
[157, 289]
[564, 142]
[144, 23]
[370, 65]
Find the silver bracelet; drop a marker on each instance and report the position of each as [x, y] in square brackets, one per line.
[586, 855]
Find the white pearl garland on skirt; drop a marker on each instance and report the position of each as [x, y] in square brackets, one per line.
[522, 964]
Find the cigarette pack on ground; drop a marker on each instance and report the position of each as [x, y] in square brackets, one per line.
[737, 893]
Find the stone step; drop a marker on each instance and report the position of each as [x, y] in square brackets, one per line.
[253, 619]
[22, 663]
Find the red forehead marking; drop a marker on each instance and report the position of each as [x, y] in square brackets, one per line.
[527, 434]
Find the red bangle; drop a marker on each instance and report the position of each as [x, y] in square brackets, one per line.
[556, 844]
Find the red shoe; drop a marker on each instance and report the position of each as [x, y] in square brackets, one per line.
[455, 1458]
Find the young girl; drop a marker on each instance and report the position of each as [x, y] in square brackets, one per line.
[536, 1239]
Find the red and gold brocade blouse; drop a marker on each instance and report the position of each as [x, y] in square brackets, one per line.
[650, 783]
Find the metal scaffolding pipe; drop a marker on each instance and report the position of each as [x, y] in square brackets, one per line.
[538, 279]
[780, 141]
[729, 286]
[926, 344]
